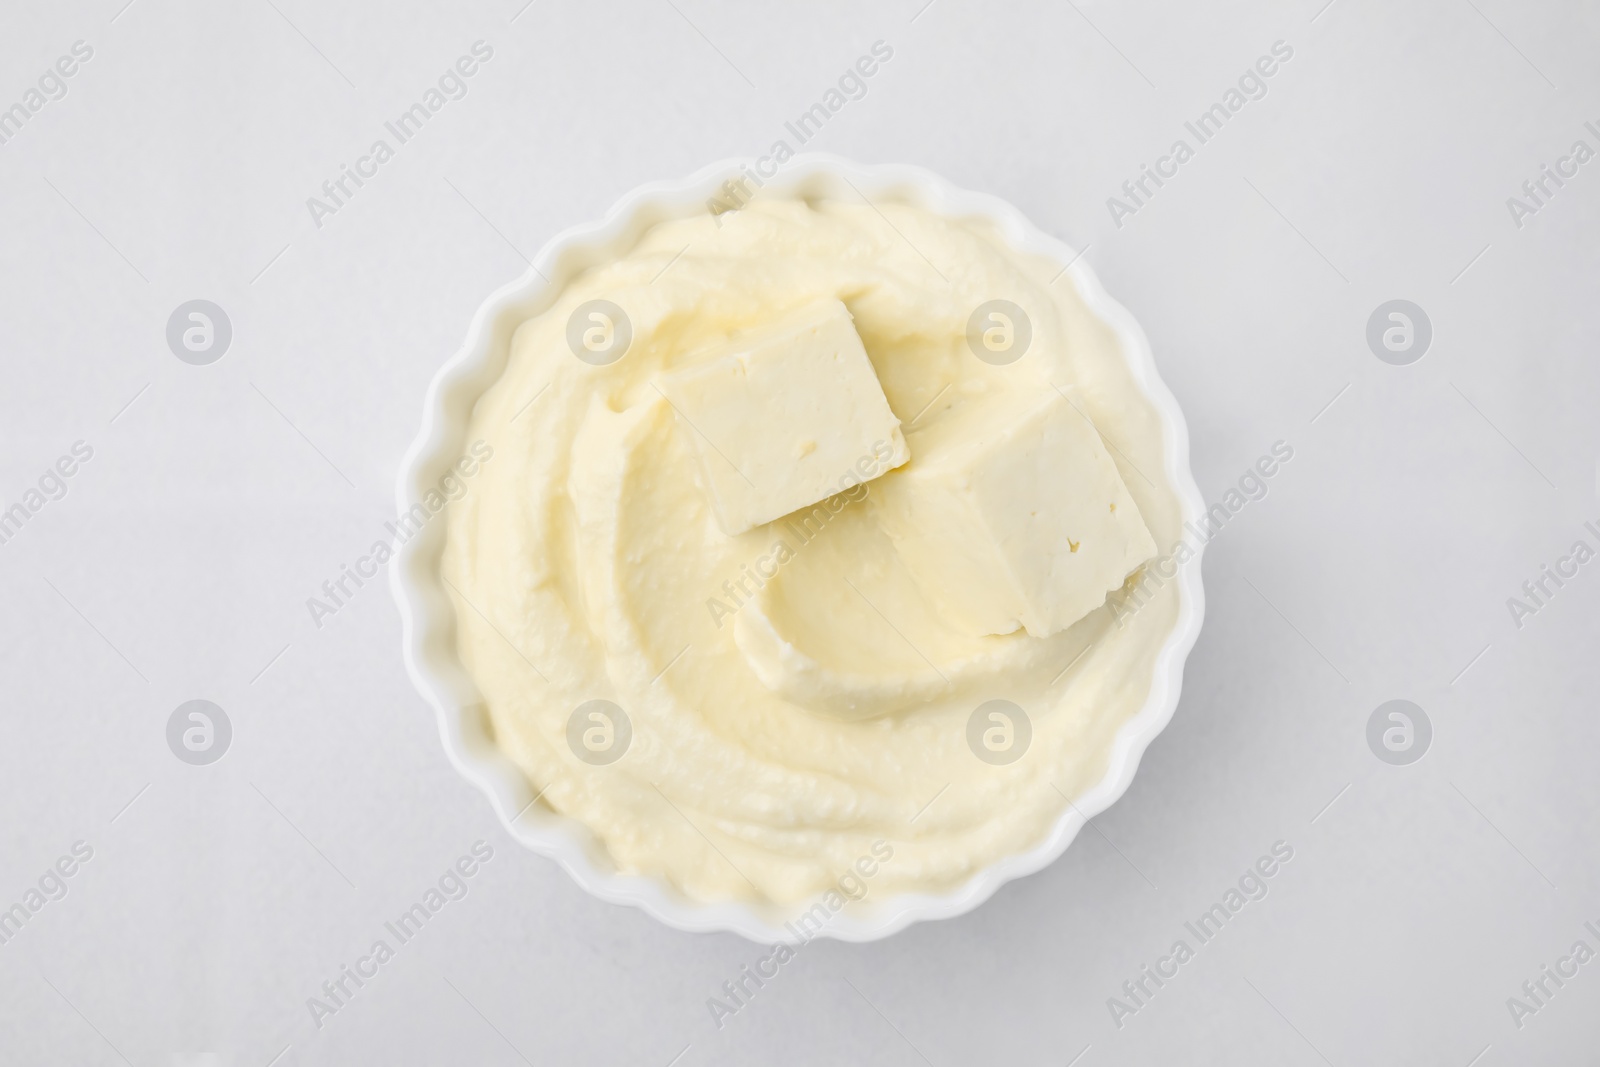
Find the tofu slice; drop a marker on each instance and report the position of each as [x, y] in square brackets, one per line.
[785, 416]
[1012, 514]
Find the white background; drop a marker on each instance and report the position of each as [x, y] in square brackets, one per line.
[218, 500]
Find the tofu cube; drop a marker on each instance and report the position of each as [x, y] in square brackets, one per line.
[1011, 514]
[785, 416]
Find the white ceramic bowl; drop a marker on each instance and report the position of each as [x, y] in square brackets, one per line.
[429, 619]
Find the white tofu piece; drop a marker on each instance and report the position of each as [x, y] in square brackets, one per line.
[785, 416]
[1012, 514]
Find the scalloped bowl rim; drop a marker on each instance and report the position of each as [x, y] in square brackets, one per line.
[427, 619]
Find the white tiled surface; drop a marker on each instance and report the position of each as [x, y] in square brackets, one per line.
[178, 563]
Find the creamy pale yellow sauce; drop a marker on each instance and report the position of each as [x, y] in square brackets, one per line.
[789, 706]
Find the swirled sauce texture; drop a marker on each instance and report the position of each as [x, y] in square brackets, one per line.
[824, 705]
